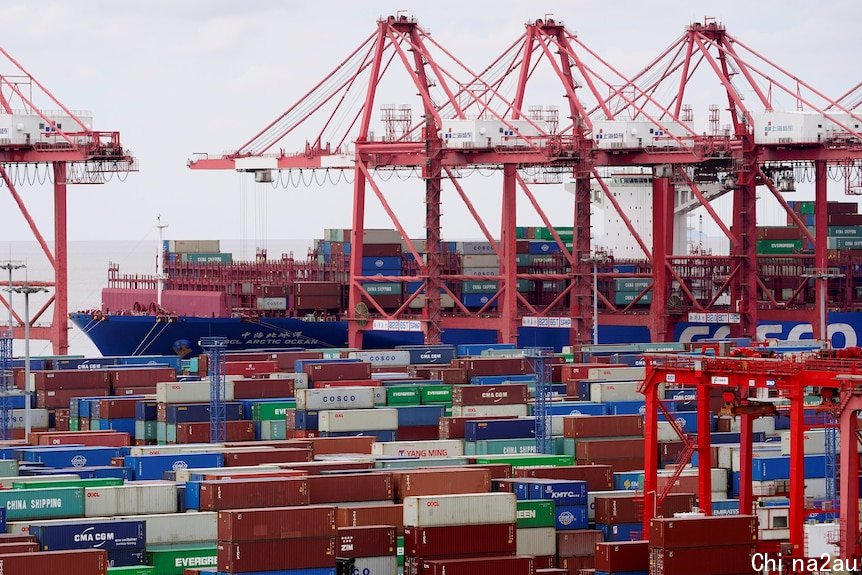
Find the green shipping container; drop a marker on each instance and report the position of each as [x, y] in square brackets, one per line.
[417, 463]
[400, 551]
[625, 298]
[272, 429]
[272, 410]
[778, 246]
[135, 570]
[507, 446]
[845, 232]
[565, 233]
[207, 258]
[436, 395]
[528, 460]
[479, 287]
[8, 468]
[632, 284]
[526, 285]
[175, 560]
[382, 288]
[74, 424]
[845, 243]
[52, 503]
[535, 513]
[98, 482]
[403, 395]
[145, 430]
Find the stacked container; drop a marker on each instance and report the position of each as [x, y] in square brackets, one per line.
[489, 400]
[369, 549]
[628, 558]
[124, 541]
[716, 545]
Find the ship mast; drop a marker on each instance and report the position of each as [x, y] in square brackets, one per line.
[160, 276]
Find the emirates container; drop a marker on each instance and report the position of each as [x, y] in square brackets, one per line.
[353, 487]
[713, 560]
[506, 394]
[366, 541]
[537, 542]
[360, 515]
[335, 398]
[277, 523]
[385, 565]
[481, 566]
[629, 508]
[598, 477]
[627, 556]
[483, 411]
[107, 535]
[258, 457]
[472, 509]
[455, 427]
[278, 554]
[49, 503]
[387, 357]
[703, 531]
[493, 366]
[81, 562]
[251, 493]
[434, 448]
[130, 499]
[603, 426]
[189, 392]
[358, 420]
[495, 538]
[440, 482]
[578, 542]
[337, 371]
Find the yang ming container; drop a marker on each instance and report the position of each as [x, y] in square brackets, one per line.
[472, 509]
[434, 448]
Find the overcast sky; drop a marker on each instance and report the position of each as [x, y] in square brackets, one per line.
[179, 77]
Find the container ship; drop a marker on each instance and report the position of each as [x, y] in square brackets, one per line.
[302, 302]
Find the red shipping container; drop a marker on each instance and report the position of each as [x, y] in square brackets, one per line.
[545, 563]
[506, 394]
[380, 250]
[284, 455]
[453, 427]
[623, 556]
[351, 487]
[430, 542]
[21, 547]
[577, 371]
[316, 467]
[287, 359]
[53, 398]
[237, 356]
[389, 301]
[117, 408]
[423, 433]
[365, 515]
[481, 566]
[71, 379]
[262, 388]
[317, 288]
[310, 302]
[448, 375]
[350, 383]
[334, 445]
[495, 470]
[493, 366]
[79, 562]
[337, 371]
[62, 420]
[603, 426]
[713, 560]
[579, 542]
[574, 564]
[252, 474]
[629, 508]
[276, 523]
[88, 438]
[587, 449]
[145, 390]
[440, 482]
[616, 463]
[251, 493]
[271, 555]
[199, 432]
[249, 368]
[598, 477]
[141, 377]
[301, 433]
[366, 541]
[703, 531]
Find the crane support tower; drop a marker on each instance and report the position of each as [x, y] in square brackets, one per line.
[542, 402]
[6, 383]
[215, 347]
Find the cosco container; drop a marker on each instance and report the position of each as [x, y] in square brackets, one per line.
[394, 357]
[439, 448]
[473, 509]
[335, 398]
[131, 499]
[358, 420]
[107, 535]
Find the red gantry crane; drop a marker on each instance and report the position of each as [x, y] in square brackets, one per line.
[41, 140]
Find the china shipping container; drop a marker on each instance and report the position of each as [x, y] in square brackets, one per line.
[276, 523]
[276, 554]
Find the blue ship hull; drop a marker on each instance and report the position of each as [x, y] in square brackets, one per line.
[120, 335]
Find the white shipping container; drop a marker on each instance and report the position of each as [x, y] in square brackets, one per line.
[271, 303]
[760, 450]
[131, 499]
[482, 272]
[387, 565]
[761, 424]
[488, 133]
[538, 542]
[184, 475]
[516, 410]
[300, 380]
[136, 451]
[793, 127]
[358, 420]
[38, 418]
[819, 539]
[335, 398]
[446, 301]
[815, 442]
[470, 509]
[380, 237]
[480, 261]
[617, 373]
[601, 392]
[422, 449]
[189, 392]
[638, 134]
[387, 357]
[474, 248]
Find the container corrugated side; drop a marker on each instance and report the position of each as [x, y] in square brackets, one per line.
[89, 562]
[189, 392]
[472, 509]
[43, 503]
[435, 448]
[107, 535]
[517, 410]
[131, 499]
[537, 541]
[386, 565]
[358, 420]
[276, 523]
[393, 357]
[319, 399]
[171, 560]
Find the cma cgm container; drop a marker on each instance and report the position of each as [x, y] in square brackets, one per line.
[107, 535]
[472, 509]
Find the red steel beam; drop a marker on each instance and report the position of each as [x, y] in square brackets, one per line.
[60, 324]
[821, 221]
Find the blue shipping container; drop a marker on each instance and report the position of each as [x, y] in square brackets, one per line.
[106, 535]
[419, 415]
[501, 379]
[146, 410]
[562, 492]
[620, 531]
[578, 408]
[197, 412]
[65, 456]
[625, 407]
[148, 467]
[627, 480]
[499, 429]
[127, 557]
[569, 517]
[424, 355]
[382, 262]
[726, 507]
[306, 419]
[478, 299]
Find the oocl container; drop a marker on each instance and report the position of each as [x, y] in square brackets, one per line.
[189, 392]
[130, 499]
[437, 448]
[335, 398]
[480, 411]
[473, 509]
[358, 420]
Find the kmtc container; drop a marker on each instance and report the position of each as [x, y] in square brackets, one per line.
[335, 398]
[460, 540]
[472, 509]
[438, 448]
[131, 499]
[43, 503]
[107, 535]
[273, 555]
[276, 523]
[175, 560]
[562, 492]
[358, 420]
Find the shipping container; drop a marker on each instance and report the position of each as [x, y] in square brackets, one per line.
[170, 560]
[253, 493]
[703, 531]
[481, 566]
[716, 560]
[358, 420]
[276, 523]
[440, 510]
[437, 448]
[131, 499]
[366, 541]
[603, 426]
[360, 515]
[579, 542]
[107, 535]
[623, 556]
[440, 482]
[537, 542]
[385, 565]
[85, 562]
[43, 503]
[278, 554]
[350, 487]
[335, 398]
[496, 538]
[489, 394]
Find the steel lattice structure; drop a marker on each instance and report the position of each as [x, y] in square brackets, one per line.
[215, 348]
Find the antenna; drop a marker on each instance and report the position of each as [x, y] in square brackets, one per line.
[160, 276]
